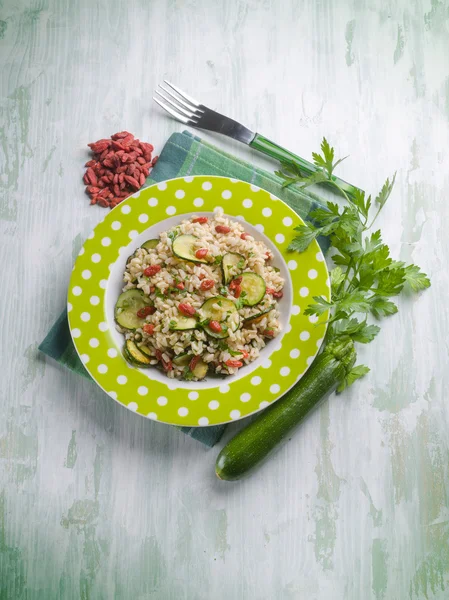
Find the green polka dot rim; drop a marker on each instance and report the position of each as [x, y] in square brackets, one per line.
[96, 283]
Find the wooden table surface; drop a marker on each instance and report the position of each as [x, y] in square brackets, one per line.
[96, 502]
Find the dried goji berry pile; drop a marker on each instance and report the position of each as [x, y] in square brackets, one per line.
[119, 167]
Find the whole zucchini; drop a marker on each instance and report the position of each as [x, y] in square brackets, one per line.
[253, 443]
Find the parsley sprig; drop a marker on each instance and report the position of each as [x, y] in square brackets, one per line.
[364, 277]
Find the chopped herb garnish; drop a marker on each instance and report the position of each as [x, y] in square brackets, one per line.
[223, 290]
[172, 324]
[218, 260]
[241, 263]
[220, 303]
[187, 373]
[173, 234]
[276, 270]
[251, 254]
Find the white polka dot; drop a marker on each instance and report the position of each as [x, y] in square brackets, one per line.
[94, 343]
[132, 234]
[85, 358]
[328, 282]
[267, 212]
[95, 258]
[170, 210]
[292, 265]
[113, 395]
[294, 353]
[76, 291]
[319, 342]
[203, 421]
[106, 241]
[226, 194]
[256, 380]
[69, 307]
[85, 316]
[319, 256]
[233, 180]
[102, 369]
[273, 197]
[162, 186]
[94, 300]
[142, 390]
[284, 371]
[274, 389]
[91, 235]
[143, 218]
[103, 326]
[266, 363]
[206, 185]
[152, 416]
[122, 379]
[193, 395]
[254, 188]
[304, 292]
[76, 332]
[162, 400]
[183, 411]
[279, 238]
[180, 194]
[313, 318]
[310, 360]
[247, 203]
[82, 251]
[224, 388]
[115, 225]
[126, 209]
[304, 336]
[103, 284]
[295, 309]
[198, 202]
[313, 274]
[133, 406]
[188, 179]
[287, 221]
[288, 328]
[112, 352]
[264, 404]
[218, 209]
[245, 397]
[171, 385]
[86, 274]
[153, 202]
[214, 404]
[234, 414]
[240, 218]
[122, 249]
[259, 227]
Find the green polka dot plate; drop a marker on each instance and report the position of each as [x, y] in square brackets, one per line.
[96, 283]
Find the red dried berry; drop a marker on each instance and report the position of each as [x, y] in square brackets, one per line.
[222, 229]
[180, 285]
[215, 326]
[237, 291]
[152, 270]
[186, 309]
[194, 362]
[207, 284]
[200, 220]
[234, 363]
[244, 236]
[201, 253]
[149, 329]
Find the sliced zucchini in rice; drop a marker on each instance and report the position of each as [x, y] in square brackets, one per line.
[134, 355]
[126, 307]
[200, 370]
[220, 309]
[253, 288]
[184, 247]
[182, 360]
[253, 319]
[149, 244]
[183, 323]
[230, 265]
[146, 350]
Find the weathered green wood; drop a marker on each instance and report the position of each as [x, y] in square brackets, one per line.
[97, 503]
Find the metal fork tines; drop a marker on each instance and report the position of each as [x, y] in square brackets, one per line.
[189, 111]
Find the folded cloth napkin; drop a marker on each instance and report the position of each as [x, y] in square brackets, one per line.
[183, 155]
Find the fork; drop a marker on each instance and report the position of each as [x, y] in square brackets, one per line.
[189, 111]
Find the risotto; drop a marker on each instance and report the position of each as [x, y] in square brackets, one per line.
[200, 300]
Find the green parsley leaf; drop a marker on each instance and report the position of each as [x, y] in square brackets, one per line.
[303, 241]
[381, 307]
[354, 374]
[223, 290]
[415, 278]
[218, 260]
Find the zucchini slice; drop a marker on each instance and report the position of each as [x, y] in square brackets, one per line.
[254, 287]
[134, 355]
[126, 307]
[200, 370]
[225, 309]
[149, 244]
[230, 265]
[183, 247]
[145, 350]
[182, 360]
[183, 323]
[253, 319]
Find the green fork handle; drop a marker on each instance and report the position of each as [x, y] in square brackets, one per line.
[266, 146]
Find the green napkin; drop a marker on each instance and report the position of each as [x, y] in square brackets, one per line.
[183, 155]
